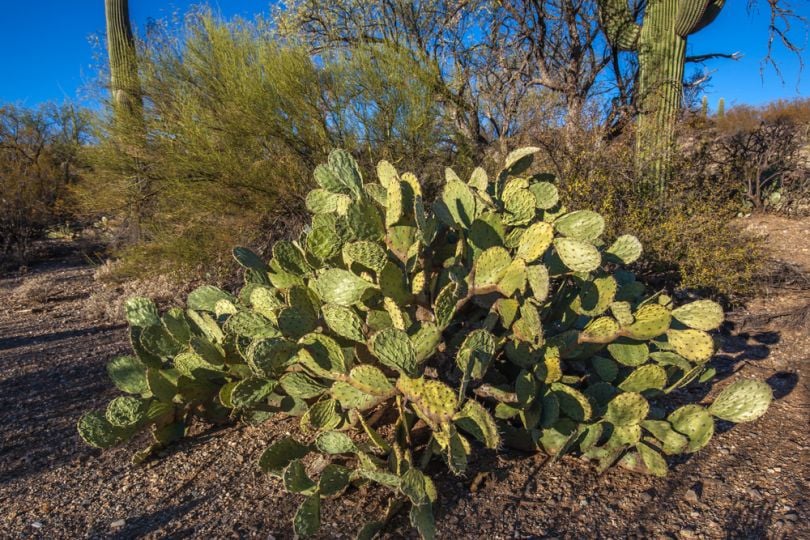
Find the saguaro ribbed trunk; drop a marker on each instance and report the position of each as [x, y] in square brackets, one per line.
[128, 121]
[660, 41]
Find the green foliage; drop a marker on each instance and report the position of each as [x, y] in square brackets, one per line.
[534, 359]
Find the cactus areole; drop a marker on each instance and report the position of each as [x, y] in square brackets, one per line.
[400, 332]
[660, 42]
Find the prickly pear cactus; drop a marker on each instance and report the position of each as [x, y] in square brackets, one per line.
[401, 332]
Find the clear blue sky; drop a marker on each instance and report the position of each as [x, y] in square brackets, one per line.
[47, 54]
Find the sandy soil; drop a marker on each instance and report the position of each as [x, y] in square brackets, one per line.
[752, 481]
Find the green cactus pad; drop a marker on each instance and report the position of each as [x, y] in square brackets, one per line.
[176, 324]
[280, 454]
[651, 320]
[269, 356]
[582, 225]
[425, 340]
[307, 519]
[605, 368]
[128, 373]
[701, 315]
[97, 431]
[343, 321]
[445, 305]
[370, 380]
[514, 279]
[627, 409]
[653, 461]
[335, 442]
[126, 411]
[334, 479]
[368, 254]
[694, 345]
[141, 312]
[577, 255]
[538, 279]
[475, 420]
[519, 160]
[672, 442]
[433, 401]
[252, 391]
[695, 422]
[545, 194]
[622, 312]
[519, 205]
[595, 297]
[601, 330]
[323, 242]
[296, 480]
[490, 266]
[460, 203]
[393, 348]
[742, 401]
[629, 353]
[247, 259]
[646, 377]
[350, 397]
[625, 250]
[573, 403]
[476, 353]
[321, 201]
[337, 286]
[251, 325]
[300, 385]
[322, 416]
[290, 258]
[322, 355]
[535, 241]
[162, 383]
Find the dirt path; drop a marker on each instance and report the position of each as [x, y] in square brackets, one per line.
[752, 481]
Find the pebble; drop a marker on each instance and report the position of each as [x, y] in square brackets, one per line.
[691, 496]
[118, 524]
[792, 516]
[37, 524]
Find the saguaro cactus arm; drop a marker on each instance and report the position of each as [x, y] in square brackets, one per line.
[695, 15]
[621, 29]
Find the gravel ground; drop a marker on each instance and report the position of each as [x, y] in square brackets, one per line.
[752, 481]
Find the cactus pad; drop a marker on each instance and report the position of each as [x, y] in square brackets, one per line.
[582, 225]
[742, 401]
[393, 348]
[646, 377]
[337, 286]
[694, 345]
[694, 422]
[625, 250]
[577, 255]
[343, 321]
[650, 321]
[545, 195]
[701, 315]
[627, 409]
[534, 241]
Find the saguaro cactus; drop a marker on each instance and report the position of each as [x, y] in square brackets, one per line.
[128, 122]
[124, 83]
[660, 41]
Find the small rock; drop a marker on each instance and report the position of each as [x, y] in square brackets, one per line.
[687, 534]
[792, 516]
[37, 524]
[646, 496]
[691, 496]
[118, 524]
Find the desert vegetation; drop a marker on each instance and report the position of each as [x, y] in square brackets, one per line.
[419, 236]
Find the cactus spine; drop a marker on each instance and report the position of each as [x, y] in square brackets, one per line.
[660, 41]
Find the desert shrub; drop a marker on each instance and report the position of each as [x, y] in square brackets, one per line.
[235, 118]
[766, 150]
[400, 333]
[690, 235]
[38, 161]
